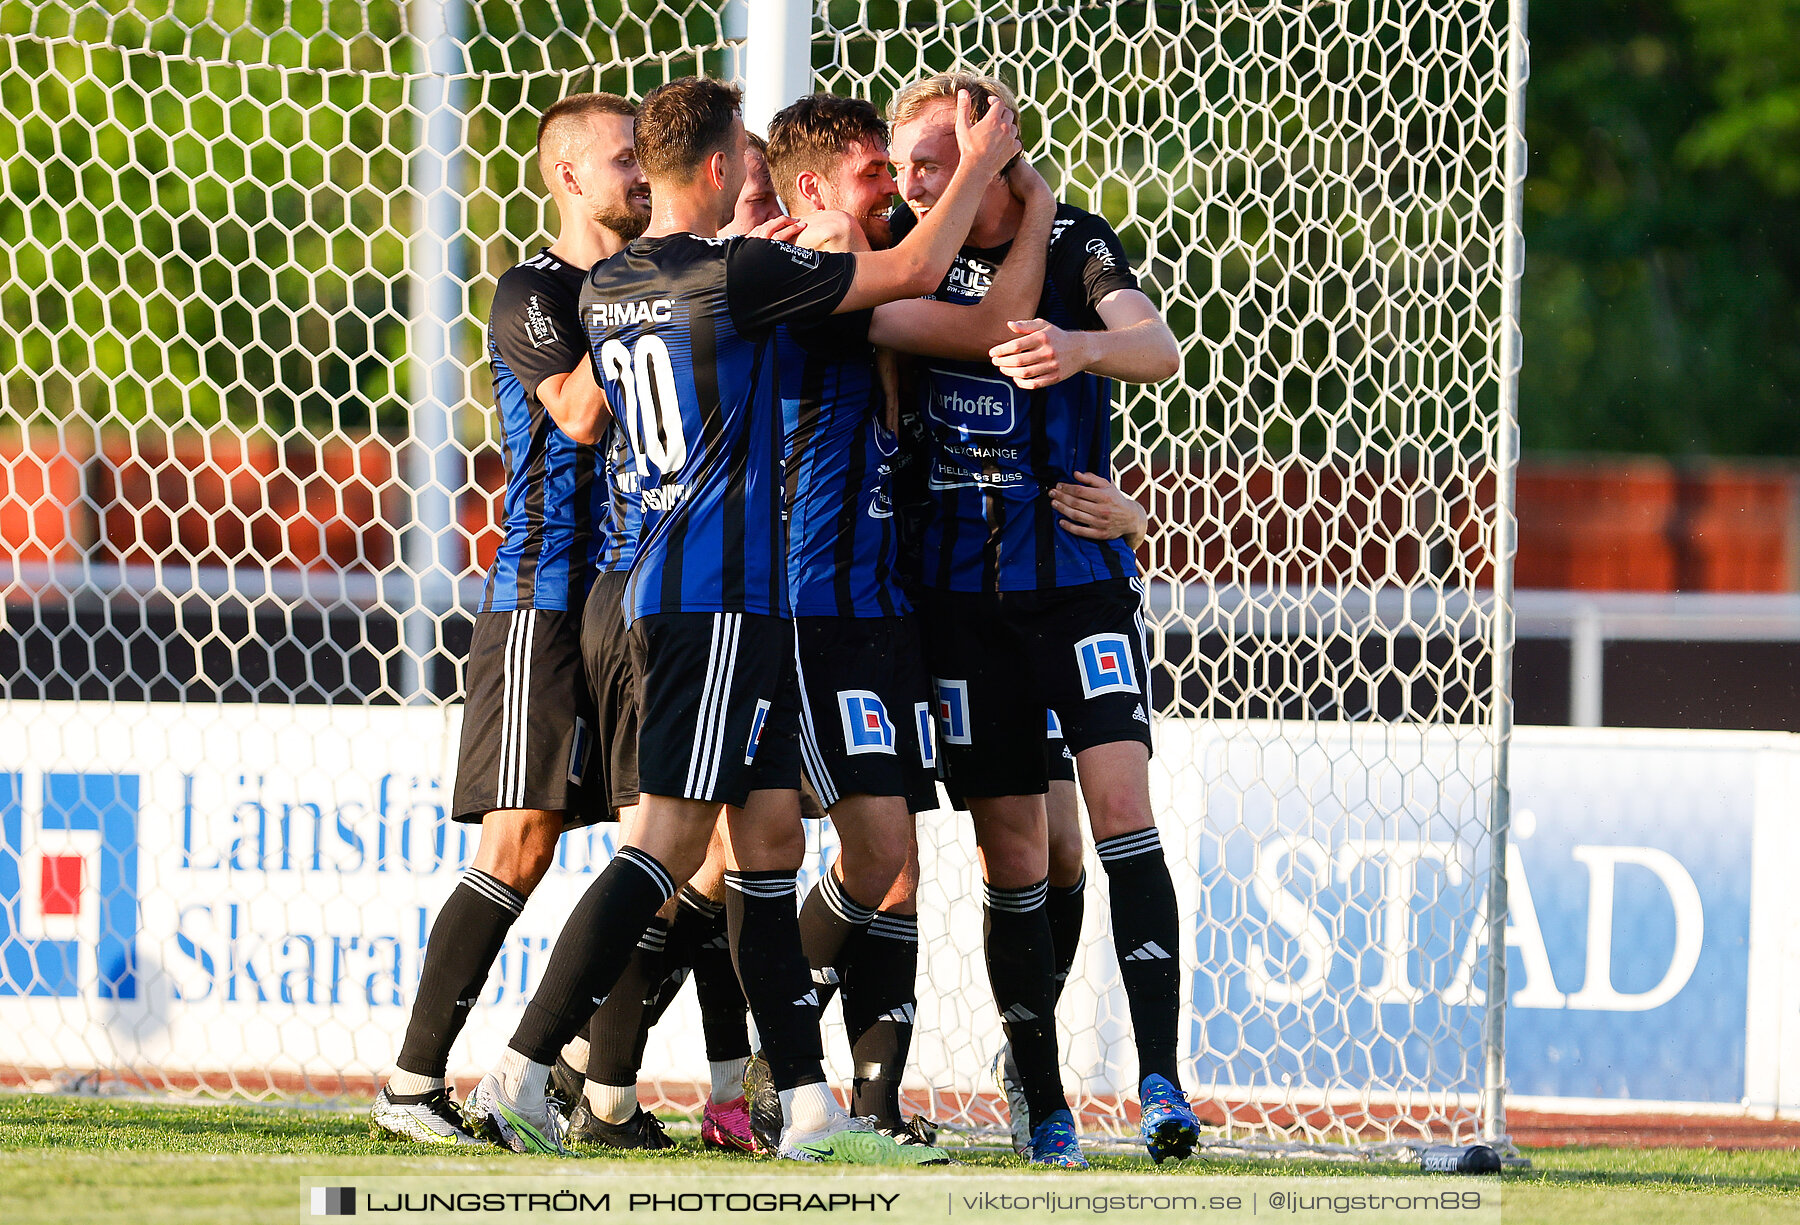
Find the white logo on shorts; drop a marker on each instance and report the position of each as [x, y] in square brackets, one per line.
[867, 728]
[1105, 664]
[927, 734]
[953, 711]
[579, 752]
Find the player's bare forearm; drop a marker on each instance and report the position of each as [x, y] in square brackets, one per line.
[914, 267]
[577, 404]
[967, 333]
[887, 367]
[1144, 352]
[1136, 347]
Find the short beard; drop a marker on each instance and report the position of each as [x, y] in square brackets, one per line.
[625, 221]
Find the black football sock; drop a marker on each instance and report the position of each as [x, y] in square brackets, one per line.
[621, 1026]
[724, 1016]
[830, 920]
[1065, 906]
[1021, 965]
[765, 943]
[880, 1000]
[464, 941]
[595, 945]
[1147, 935]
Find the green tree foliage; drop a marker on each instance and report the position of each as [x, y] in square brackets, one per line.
[1662, 282]
[205, 210]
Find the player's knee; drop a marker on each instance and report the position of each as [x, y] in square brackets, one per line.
[518, 846]
[868, 878]
[1115, 811]
[767, 846]
[1013, 865]
[1065, 860]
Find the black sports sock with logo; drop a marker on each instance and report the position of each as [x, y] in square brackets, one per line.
[620, 1027]
[1021, 967]
[1065, 907]
[1147, 935]
[830, 921]
[880, 1002]
[705, 937]
[596, 943]
[465, 940]
[765, 943]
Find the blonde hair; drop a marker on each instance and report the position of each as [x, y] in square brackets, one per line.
[910, 102]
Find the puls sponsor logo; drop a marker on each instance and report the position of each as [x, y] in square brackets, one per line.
[969, 279]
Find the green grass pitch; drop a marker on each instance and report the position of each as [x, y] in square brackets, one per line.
[85, 1159]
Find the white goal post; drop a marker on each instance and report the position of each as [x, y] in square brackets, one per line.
[247, 467]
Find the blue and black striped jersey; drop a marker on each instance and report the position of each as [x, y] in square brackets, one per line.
[682, 333]
[993, 451]
[624, 516]
[554, 492]
[839, 457]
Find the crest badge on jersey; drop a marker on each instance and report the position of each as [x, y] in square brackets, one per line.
[757, 722]
[867, 728]
[927, 734]
[1105, 664]
[952, 711]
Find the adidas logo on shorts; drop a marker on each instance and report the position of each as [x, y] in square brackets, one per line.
[1149, 951]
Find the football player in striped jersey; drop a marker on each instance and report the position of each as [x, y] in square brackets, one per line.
[681, 324]
[1021, 614]
[523, 768]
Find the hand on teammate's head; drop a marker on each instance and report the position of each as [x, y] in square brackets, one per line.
[990, 142]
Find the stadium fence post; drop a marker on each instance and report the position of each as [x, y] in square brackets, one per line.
[1506, 447]
[435, 173]
[777, 59]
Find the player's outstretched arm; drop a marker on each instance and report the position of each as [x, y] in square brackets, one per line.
[1094, 507]
[967, 333]
[914, 267]
[1136, 347]
[577, 404]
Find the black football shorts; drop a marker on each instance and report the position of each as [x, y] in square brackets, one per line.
[865, 717]
[612, 684]
[528, 720]
[708, 685]
[998, 663]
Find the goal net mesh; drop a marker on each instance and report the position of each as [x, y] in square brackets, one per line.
[248, 488]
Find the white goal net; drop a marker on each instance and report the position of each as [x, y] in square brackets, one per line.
[248, 471]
